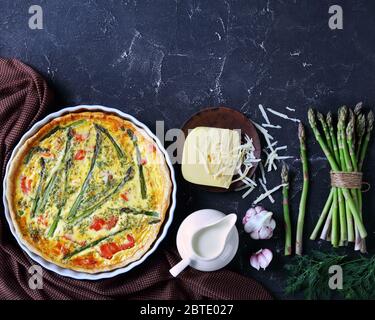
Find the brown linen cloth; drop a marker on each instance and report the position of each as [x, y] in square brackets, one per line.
[24, 97]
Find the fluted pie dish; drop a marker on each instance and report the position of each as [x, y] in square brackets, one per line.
[89, 190]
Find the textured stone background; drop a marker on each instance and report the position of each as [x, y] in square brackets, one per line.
[165, 60]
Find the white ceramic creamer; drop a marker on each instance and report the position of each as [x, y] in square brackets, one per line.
[207, 245]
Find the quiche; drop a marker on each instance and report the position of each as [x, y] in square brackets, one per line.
[89, 192]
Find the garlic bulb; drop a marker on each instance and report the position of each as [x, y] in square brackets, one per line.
[261, 259]
[259, 223]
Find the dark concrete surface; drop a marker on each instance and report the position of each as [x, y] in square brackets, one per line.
[166, 59]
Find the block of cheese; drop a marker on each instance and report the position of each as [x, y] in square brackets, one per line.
[210, 156]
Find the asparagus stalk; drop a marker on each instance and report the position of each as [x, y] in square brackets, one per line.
[51, 132]
[340, 197]
[343, 167]
[56, 220]
[337, 198]
[32, 151]
[51, 182]
[118, 149]
[333, 137]
[138, 211]
[305, 188]
[361, 131]
[319, 139]
[87, 212]
[92, 244]
[350, 138]
[39, 188]
[323, 215]
[325, 131]
[139, 164]
[78, 200]
[335, 167]
[287, 223]
[358, 108]
[343, 116]
[334, 229]
[364, 147]
[58, 128]
[327, 225]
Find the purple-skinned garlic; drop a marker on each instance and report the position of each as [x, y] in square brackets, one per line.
[261, 259]
[259, 223]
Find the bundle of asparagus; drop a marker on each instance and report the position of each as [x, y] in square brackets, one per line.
[345, 148]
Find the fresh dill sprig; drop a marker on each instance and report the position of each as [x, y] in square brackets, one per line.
[310, 275]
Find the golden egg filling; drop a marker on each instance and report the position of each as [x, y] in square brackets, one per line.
[89, 192]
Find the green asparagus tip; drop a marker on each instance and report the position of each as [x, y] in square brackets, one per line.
[285, 173]
[311, 116]
[329, 118]
[343, 113]
[361, 125]
[350, 127]
[320, 116]
[301, 132]
[370, 121]
[358, 108]
[70, 133]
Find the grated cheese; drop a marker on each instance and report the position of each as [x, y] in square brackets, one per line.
[267, 125]
[281, 148]
[271, 150]
[282, 115]
[248, 192]
[264, 114]
[266, 194]
[266, 190]
[263, 131]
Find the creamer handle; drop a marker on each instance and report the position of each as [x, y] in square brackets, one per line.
[179, 267]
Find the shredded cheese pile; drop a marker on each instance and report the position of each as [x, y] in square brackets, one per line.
[272, 151]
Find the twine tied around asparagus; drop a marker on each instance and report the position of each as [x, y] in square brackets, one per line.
[347, 180]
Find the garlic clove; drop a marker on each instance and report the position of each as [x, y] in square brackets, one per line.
[272, 224]
[268, 254]
[261, 259]
[259, 209]
[263, 262]
[249, 213]
[254, 235]
[254, 262]
[259, 223]
[265, 233]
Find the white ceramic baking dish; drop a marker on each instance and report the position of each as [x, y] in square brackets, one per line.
[68, 272]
